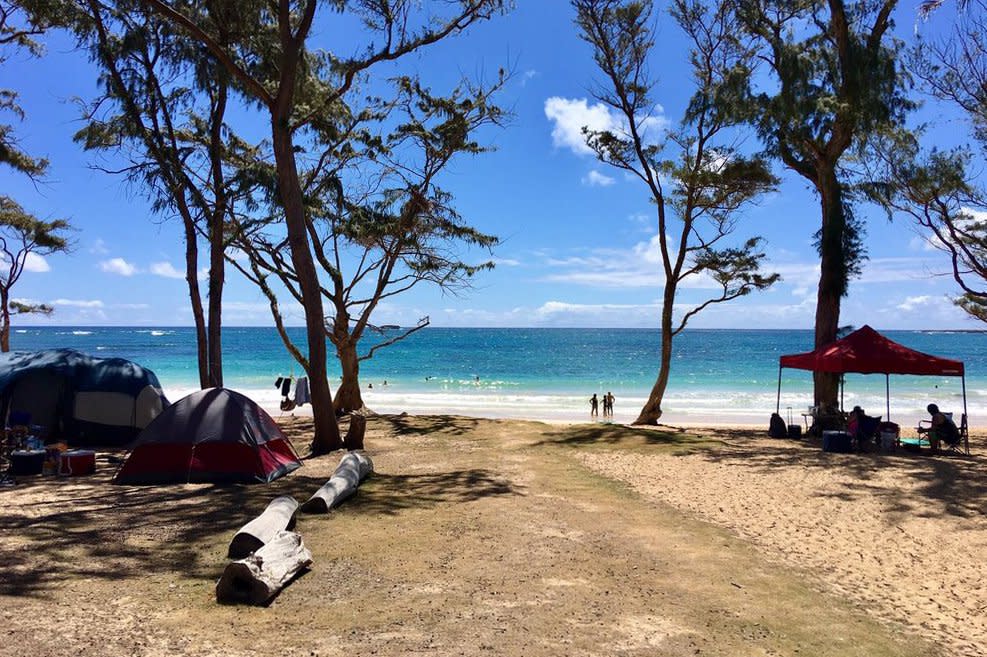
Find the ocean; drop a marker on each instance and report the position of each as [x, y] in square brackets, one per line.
[718, 376]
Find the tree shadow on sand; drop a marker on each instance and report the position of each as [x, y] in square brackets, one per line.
[611, 435]
[90, 528]
[424, 425]
[946, 485]
[390, 494]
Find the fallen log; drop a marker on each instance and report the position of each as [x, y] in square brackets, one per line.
[278, 516]
[259, 577]
[352, 469]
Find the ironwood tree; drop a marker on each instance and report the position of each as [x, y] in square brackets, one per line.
[937, 188]
[22, 235]
[830, 80]
[381, 223]
[697, 177]
[163, 111]
[265, 48]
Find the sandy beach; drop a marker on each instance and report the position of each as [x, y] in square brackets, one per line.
[478, 537]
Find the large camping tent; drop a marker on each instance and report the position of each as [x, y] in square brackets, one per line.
[76, 397]
[865, 351]
[214, 435]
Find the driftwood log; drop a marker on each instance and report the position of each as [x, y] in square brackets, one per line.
[352, 469]
[278, 516]
[259, 577]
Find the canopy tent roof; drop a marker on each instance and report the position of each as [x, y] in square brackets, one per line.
[865, 351]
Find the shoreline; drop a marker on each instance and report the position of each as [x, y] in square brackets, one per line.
[386, 403]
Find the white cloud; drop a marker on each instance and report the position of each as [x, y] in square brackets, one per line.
[527, 76]
[596, 179]
[78, 303]
[166, 270]
[506, 262]
[975, 215]
[99, 248]
[118, 266]
[911, 303]
[570, 116]
[35, 263]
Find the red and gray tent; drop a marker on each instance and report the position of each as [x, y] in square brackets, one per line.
[214, 435]
[865, 351]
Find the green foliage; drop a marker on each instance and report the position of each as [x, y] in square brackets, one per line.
[936, 191]
[23, 234]
[712, 180]
[20, 308]
[836, 81]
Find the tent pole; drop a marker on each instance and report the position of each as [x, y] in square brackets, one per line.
[966, 437]
[842, 381]
[887, 396]
[778, 400]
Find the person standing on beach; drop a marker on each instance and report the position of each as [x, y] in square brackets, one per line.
[608, 400]
[594, 405]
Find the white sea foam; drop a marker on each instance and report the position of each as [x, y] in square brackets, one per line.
[717, 408]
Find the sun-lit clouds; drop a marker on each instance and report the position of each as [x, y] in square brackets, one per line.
[118, 266]
[596, 179]
[99, 248]
[506, 262]
[570, 115]
[165, 270]
[36, 264]
[911, 303]
[78, 303]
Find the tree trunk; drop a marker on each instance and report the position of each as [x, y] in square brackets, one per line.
[195, 299]
[326, 435]
[217, 245]
[651, 412]
[832, 280]
[217, 277]
[4, 320]
[348, 397]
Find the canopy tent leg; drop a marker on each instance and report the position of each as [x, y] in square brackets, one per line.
[887, 396]
[778, 400]
[966, 437]
[842, 381]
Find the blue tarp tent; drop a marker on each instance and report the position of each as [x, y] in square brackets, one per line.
[78, 398]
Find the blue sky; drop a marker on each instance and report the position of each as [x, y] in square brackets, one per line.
[579, 240]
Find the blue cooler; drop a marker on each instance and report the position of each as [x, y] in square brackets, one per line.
[837, 441]
[27, 461]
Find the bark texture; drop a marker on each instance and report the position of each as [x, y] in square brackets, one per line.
[352, 469]
[259, 577]
[278, 516]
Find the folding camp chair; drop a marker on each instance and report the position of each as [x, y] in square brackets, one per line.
[955, 440]
[962, 444]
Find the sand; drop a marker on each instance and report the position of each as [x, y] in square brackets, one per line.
[903, 536]
[482, 537]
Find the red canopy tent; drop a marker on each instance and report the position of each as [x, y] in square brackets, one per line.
[865, 351]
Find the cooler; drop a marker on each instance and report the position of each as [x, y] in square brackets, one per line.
[836, 441]
[27, 461]
[77, 462]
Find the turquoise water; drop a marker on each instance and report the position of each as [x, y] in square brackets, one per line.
[721, 376]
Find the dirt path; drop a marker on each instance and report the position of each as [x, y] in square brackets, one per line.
[474, 538]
